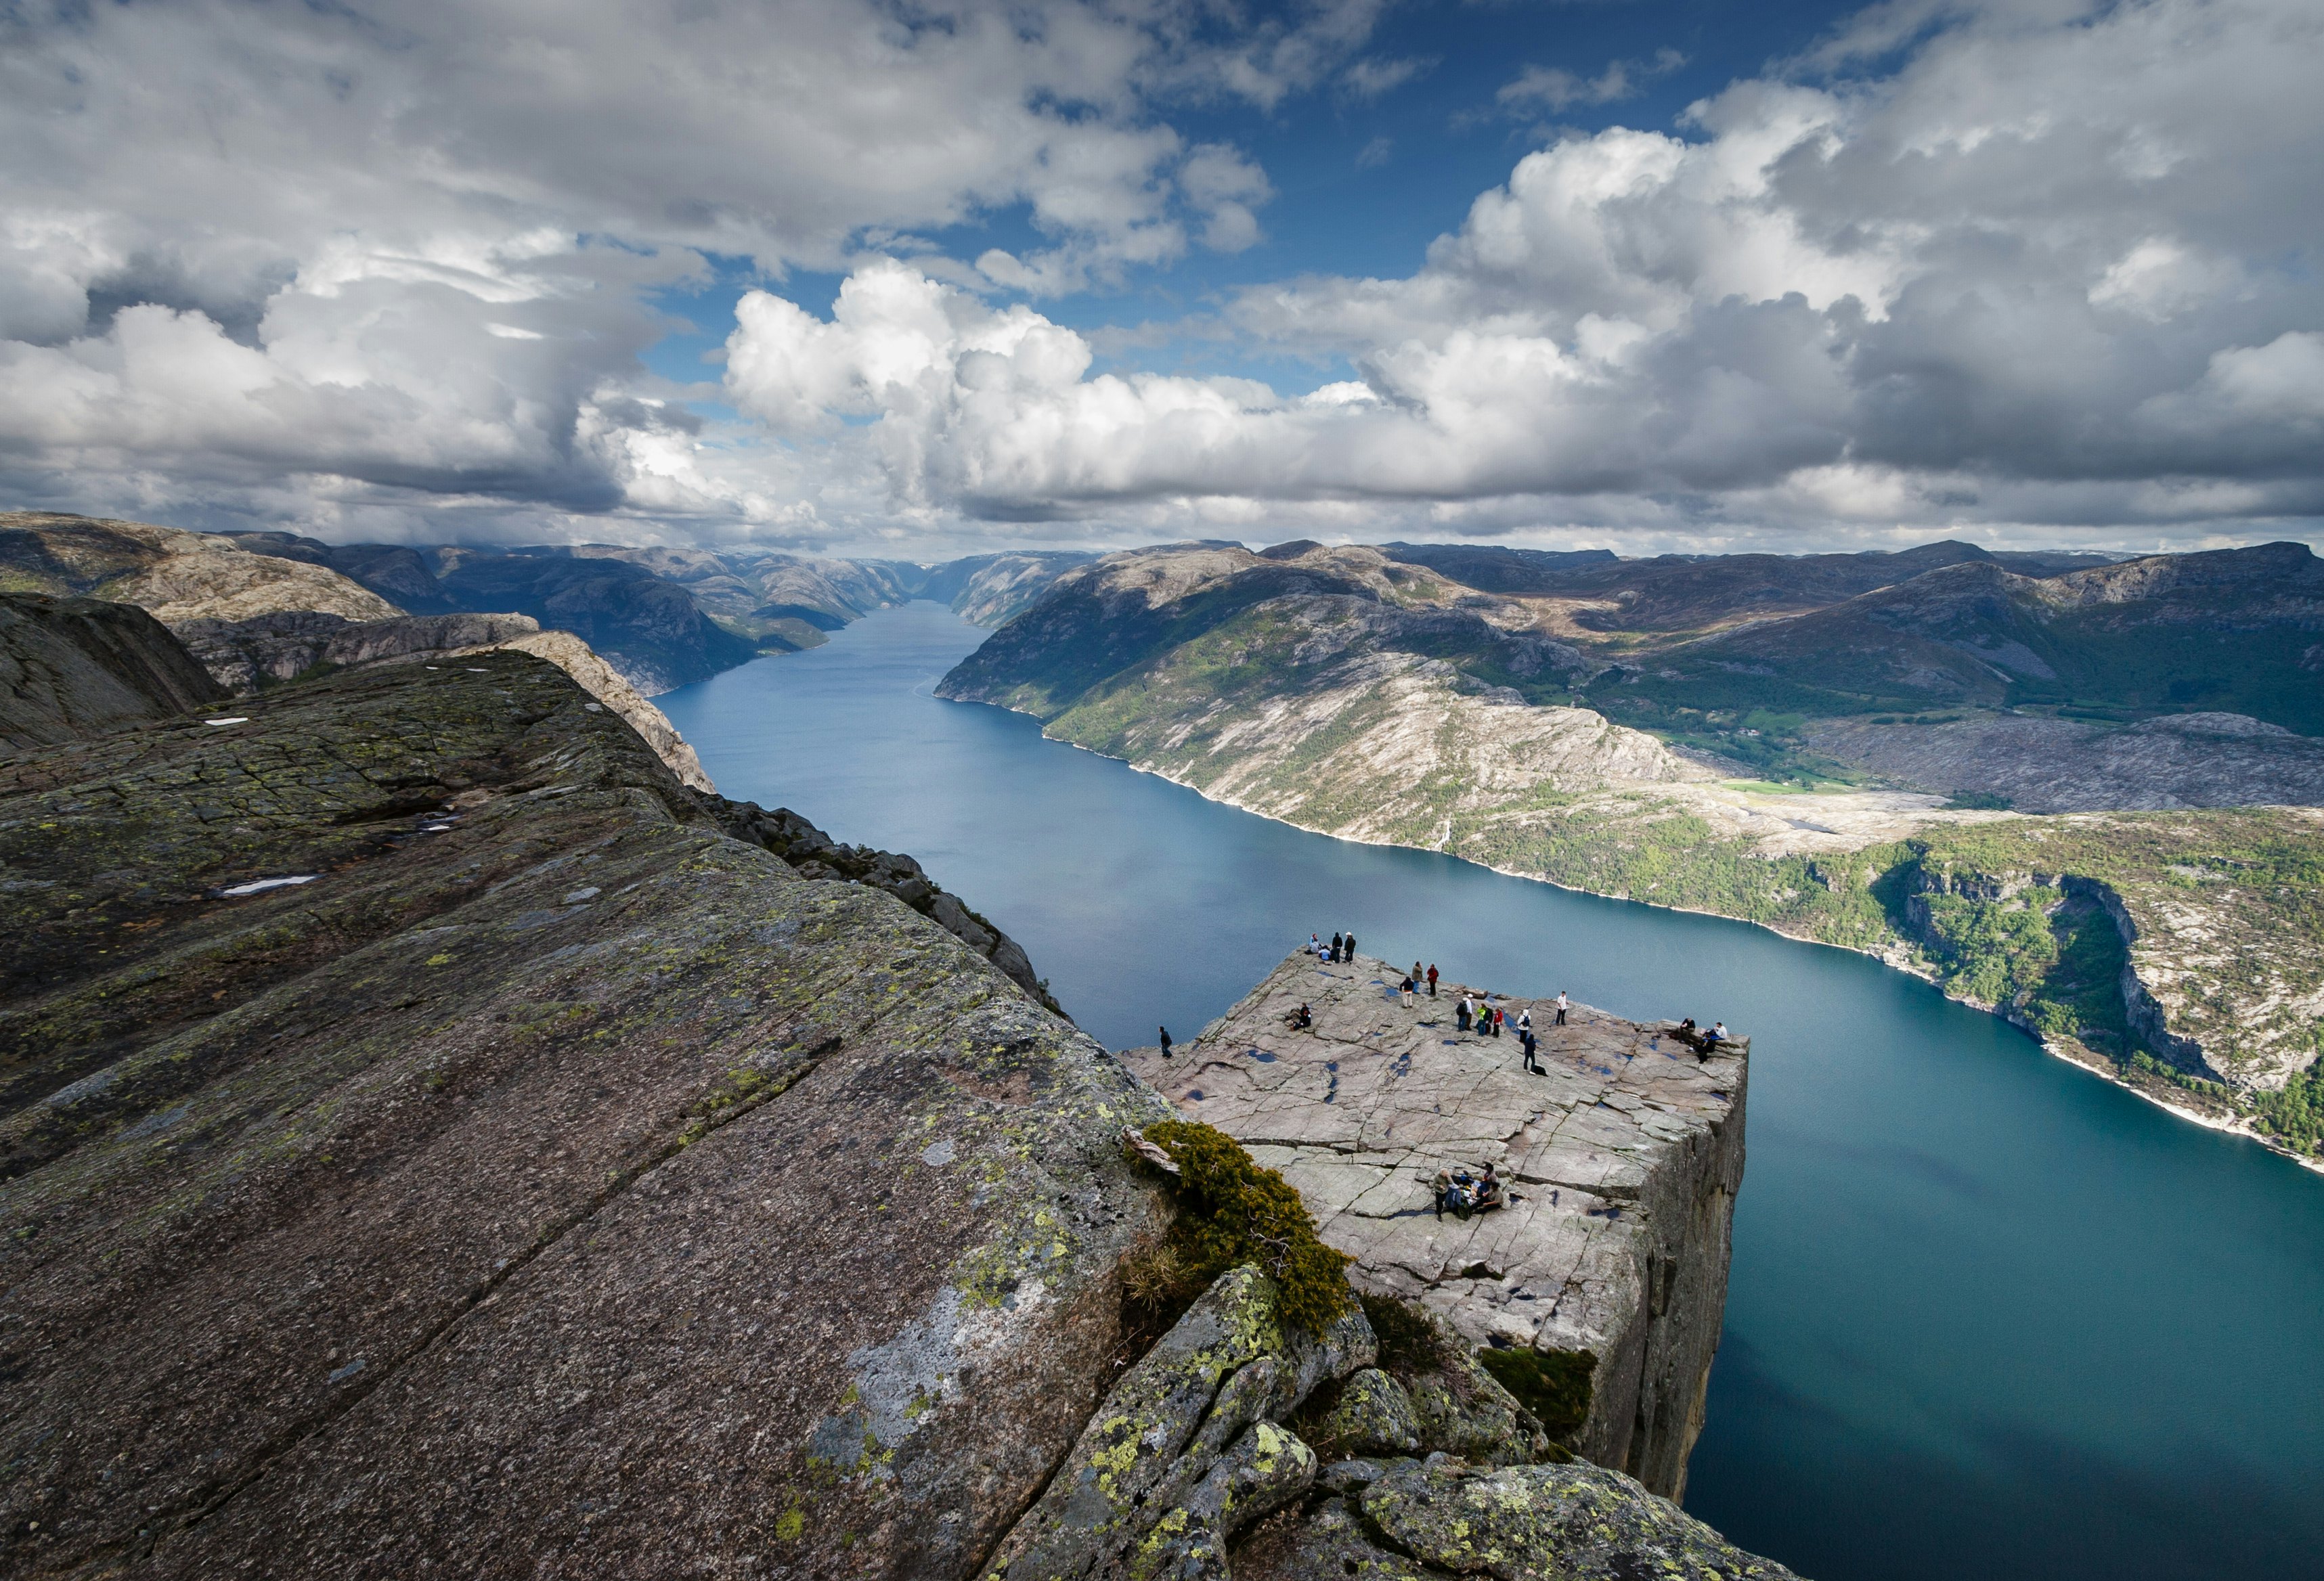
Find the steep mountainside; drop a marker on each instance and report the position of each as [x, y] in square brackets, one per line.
[77, 666]
[1375, 699]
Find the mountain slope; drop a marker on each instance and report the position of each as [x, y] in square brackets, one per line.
[1365, 697]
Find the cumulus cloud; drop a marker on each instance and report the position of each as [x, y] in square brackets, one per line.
[376, 269]
[2058, 267]
[381, 257]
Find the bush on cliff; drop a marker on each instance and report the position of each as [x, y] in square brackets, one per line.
[1231, 1211]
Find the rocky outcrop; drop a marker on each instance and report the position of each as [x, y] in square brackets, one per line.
[612, 689]
[77, 667]
[243, 655]
[429, 1142]
[1217, 1456]
[1595, 1297]
[1414, 1520]
[174, 575]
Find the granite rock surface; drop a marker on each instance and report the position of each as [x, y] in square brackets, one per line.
[431, 1144]
[1596, 1295]
[243, 655]
[71, 667]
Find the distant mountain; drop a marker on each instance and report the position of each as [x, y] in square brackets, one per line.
[173, 575]
[1607, 728]
[986, 590]
[2228, 630]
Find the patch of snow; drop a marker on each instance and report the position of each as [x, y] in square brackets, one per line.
[255, 886]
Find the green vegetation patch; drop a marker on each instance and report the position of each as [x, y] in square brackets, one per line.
[1556, 1385]
[1233, 1210]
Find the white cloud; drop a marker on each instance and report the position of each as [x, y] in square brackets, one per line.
[381, 257]
[2059, 267]
[1970, 262]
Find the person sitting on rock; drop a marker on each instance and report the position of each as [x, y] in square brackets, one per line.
[1454, 1190]
[1489, 1193]
[1687, 1034]
[1302, 1019]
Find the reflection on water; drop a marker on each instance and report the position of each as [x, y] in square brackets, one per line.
[1990, 1317]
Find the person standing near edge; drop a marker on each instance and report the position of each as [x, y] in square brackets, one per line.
[1431, 980]
[1166, 1042]
[1335, 947]
[1461, 1014]
[1562, 1007]
[1351, 947]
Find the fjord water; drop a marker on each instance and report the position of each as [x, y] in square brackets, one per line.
[1990, 1317]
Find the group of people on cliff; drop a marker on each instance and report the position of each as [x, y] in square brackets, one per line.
[1461, 1193]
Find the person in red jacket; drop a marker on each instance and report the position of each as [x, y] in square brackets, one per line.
[1431, 980]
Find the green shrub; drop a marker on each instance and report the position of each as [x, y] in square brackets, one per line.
[1232, 1211]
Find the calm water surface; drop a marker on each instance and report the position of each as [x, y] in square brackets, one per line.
[1990, 1318]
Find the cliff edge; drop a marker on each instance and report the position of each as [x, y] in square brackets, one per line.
[1596, 1296]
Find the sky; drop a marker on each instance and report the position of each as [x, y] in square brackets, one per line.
[920, 280]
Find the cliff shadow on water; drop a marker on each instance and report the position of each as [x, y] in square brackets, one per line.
[1989, 1315]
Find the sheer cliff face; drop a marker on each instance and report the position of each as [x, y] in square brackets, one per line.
[1596, 1296]
[430, 1140]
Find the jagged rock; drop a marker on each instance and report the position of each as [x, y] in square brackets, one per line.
[1584, 1313]
[77, 666]
[1373, 1416]
[1229, 1363]
[1268, 1468]
[549, 1184]
[1575, 1522]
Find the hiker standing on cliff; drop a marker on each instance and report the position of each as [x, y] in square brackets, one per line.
[1525, 1042]
[1563, 1004]
[1166, 1042]
[1431, 980]
[1351, 947]
[1335, 947]
[1461, 1014]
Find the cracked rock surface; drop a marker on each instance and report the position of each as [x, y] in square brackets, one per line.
[1425, 1520]
[431, 1144]
[1597, 1294]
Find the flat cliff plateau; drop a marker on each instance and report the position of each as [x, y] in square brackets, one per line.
[432, 1140]
[1596, 1296]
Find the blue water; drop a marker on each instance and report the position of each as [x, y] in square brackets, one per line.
[1990, 1317]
